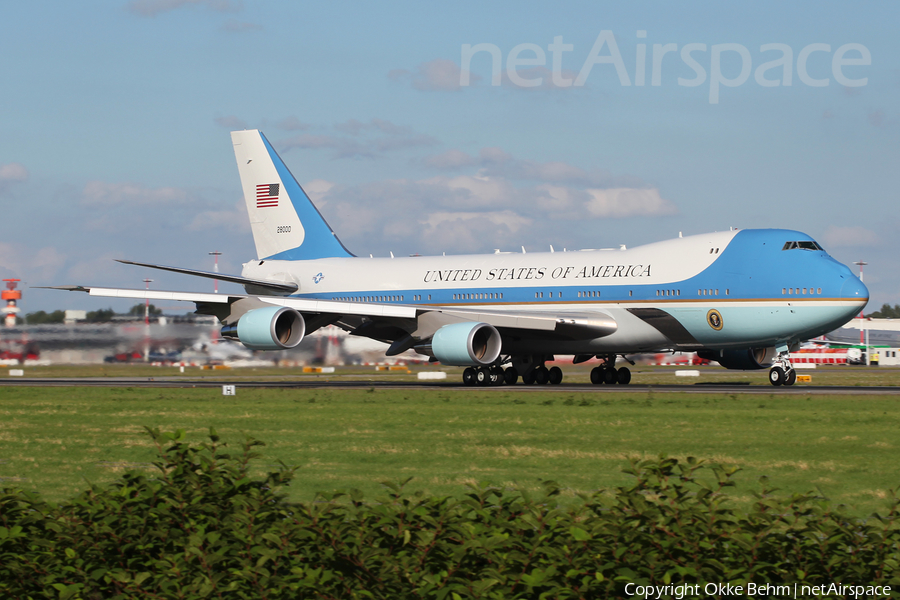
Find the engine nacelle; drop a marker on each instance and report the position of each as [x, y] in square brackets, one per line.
[464, 344]
[270, 328]
[745, 359]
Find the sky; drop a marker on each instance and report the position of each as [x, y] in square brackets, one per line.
[458, 128]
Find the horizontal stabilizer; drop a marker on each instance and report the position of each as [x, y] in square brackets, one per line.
[278, 288]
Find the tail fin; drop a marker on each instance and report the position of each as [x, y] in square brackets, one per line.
[286, 224]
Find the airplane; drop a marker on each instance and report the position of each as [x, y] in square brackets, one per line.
[744, 298]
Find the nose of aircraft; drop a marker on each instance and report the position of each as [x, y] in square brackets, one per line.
[854, 289]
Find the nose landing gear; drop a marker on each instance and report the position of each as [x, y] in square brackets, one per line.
[782, 373]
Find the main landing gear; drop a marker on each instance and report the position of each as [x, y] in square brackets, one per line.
[532, 369]
[782, 373]
[607, 373]
[534, 372]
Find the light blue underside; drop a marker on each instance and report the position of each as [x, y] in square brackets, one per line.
[255, 328]
[451, 342]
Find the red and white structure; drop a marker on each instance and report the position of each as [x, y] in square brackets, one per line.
[11, 296]
[822, 356]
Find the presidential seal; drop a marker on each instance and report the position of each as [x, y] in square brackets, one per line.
[714, 318]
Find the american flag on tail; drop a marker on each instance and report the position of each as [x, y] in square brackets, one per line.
[267, 195]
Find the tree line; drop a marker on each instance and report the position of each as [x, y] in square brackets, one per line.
[886, 312]
[103, 315]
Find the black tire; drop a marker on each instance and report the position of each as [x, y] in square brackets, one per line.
[510, 376]
[483, 376]
[541, 376]
[610, 376]
[596, 375]
[528, 377]
[555, 375]
[790, 378]
[776, 376]
[469, 376]
[496, 375]
[624, 376]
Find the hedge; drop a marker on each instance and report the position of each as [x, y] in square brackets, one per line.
[199, 526]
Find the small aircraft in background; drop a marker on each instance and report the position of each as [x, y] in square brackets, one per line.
[743, 298]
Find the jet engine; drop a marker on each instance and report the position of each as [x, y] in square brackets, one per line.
[745, 359]
[270, 328]
[464, 344]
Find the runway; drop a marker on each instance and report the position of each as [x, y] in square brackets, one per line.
[320, 383]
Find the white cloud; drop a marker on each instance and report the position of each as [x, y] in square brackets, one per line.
[449, 160]
[478, 191]
[231, 122]
[33, 266]
[317, 188]
[102, 194]
[439, 74]
[292, 124]
[233, 220]
[465, 231]
[151, 8]
[12, 173]
[88, 269]
[355, 127]
[850, 237]
[628, 202]
[493, 161]
[360, 144]
[473, 213]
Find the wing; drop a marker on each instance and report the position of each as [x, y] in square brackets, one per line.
[256, 284]
[400, 325]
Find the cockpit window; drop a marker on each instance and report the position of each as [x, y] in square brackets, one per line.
[808, 245]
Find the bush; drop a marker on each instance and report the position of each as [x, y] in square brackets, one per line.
[201, 527]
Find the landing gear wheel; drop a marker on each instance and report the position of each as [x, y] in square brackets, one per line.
[610, 376]
[510, 376]
[776, 376]
[790, 378]
[528, 377]
[555, 375]
[469, 376]
[483, 376]
[541, 375]
[497, 375]
[624, 376]
[596, 375]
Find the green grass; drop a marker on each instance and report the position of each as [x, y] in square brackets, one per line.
[52, 439]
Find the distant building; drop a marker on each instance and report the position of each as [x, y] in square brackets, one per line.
[73, 316]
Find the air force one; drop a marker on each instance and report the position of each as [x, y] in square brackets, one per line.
[744, 298]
